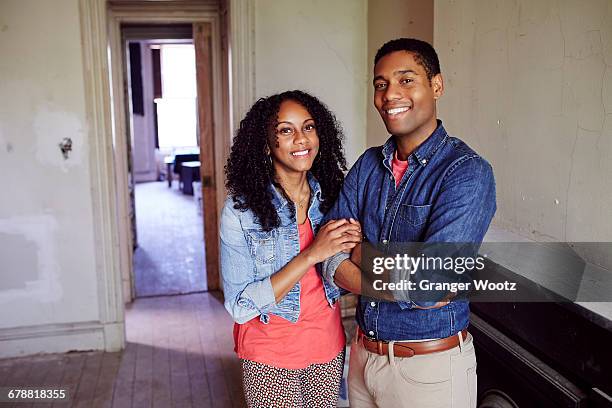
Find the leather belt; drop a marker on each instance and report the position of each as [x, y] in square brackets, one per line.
[411, 348]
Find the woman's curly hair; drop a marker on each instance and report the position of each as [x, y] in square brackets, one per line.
[249, 170]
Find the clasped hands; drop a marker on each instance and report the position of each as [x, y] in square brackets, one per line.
[356, 259]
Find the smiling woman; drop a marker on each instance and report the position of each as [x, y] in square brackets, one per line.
[260, 136]
[284, 172]
[295, 143]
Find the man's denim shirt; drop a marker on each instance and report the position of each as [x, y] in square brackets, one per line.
[446, 195]
[249, 255]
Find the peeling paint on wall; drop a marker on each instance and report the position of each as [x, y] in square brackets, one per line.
[47, 215]
[19, 257]
[43, 282]
[63, 124]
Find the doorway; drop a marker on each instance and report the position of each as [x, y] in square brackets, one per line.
[164, 160]
[161, 30]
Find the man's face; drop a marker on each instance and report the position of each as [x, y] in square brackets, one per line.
[403, 95]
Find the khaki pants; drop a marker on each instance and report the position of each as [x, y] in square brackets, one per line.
[446, 379]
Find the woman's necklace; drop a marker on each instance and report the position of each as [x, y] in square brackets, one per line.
[299, 203]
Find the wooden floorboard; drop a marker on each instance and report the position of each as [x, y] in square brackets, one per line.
[179, 375]
[74, 363]
[122, 393]
[5, 371]
[38, 376]
[196, 361]
[179, 353]
[162, 396]
[103, 396]
[207, 322]
[142, 337]
[89, 379]
[54, 376]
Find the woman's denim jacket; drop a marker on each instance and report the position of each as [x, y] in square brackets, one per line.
[249, 255]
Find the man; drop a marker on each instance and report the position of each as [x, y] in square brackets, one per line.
[422, 185]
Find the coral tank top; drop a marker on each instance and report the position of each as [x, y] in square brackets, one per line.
[317, 337]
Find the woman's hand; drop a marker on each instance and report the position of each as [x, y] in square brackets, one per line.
[354, 222]
[333, 237]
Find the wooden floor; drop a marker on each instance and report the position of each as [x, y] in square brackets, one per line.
[169, 259]
[179, 354]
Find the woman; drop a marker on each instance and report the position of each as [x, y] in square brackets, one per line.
[283, 173]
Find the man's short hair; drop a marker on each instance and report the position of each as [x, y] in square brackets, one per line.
[423, 53]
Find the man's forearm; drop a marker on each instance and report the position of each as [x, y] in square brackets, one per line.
[348, 276]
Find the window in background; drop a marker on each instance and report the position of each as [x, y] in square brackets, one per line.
[176, 109]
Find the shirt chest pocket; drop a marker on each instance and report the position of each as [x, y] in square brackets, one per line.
[411, 222]
[261, 246]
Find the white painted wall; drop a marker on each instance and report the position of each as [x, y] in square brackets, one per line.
[529, 85]
[48, 282]
[320, 47]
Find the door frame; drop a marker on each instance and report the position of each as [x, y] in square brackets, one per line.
[104, 102]
[169, 12]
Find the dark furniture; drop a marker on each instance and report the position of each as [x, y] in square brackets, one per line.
[190, 172]
[180, 156]
[179, 159]
[541, 354]
[169, 161]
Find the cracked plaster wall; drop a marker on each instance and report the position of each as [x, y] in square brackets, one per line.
[317, 46]
[47, 267]
[529, 86]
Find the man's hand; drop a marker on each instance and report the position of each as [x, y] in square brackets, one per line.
[438, 305]
[447, 299]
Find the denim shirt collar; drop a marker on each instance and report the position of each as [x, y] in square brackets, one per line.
[279, 201]
[421, 154]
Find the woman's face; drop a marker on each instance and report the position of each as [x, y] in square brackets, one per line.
[294, 143]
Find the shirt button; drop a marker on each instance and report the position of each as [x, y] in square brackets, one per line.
[371, 333]
[373, 304]
[391, 177]
[385, 241]
[424, 161]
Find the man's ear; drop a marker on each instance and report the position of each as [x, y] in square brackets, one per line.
[437, 84]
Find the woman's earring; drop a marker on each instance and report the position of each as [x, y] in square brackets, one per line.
[269, 156]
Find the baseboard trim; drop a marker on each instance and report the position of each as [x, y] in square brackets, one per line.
[60, 338]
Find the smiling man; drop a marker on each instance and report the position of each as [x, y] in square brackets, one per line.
[422, 185]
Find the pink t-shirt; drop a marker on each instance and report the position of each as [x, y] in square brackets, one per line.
[398, 167]
[317, 336]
